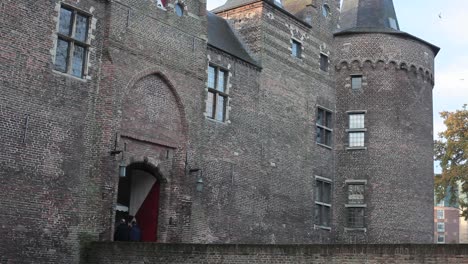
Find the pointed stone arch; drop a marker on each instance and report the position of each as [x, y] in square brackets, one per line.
[154, 136]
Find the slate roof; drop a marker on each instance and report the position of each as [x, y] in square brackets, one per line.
[372, 16]
[222, 37]
[368, 14]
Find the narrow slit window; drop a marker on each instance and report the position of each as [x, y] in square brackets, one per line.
[296, 48]
[324, 62]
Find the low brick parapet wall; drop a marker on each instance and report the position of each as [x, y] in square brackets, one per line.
[123, 252]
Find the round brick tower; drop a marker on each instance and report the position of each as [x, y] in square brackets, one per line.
[383, 139]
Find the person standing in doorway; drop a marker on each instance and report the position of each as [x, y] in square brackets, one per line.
[135, 232]
[122, 232]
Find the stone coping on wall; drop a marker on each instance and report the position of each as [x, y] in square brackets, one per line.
[134, 252]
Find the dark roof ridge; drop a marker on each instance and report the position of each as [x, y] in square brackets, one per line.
[223, 37]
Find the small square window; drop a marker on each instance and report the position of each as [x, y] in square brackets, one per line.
[356, 82]
[356, 194]
[440, 239]
[355, 217]
[440, 214]
[440, 227]
[296, 48]
[356, 121]
[323, 62]
[356, 139]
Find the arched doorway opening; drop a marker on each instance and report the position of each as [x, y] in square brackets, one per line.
[138, 198]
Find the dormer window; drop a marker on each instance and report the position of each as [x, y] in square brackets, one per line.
[393, 23]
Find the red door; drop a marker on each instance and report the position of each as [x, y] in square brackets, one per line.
[147, 215]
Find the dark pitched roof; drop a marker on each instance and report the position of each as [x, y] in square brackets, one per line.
[222, 37]
[372, 16]
[368, 14]
[230, 4]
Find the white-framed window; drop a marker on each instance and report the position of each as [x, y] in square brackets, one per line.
[324, 126]
[217, 100]
[323, 190]
[440, 227]
[324, 62]
[440, 239]
[71, 52]
[356, 129]
[356, 82]
[440, 214]
[296, 48]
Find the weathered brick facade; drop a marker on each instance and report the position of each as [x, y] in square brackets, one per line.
[249, 179]
[104, 253]
[397, 162]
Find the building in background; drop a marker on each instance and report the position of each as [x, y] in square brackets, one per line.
[449, 226]
[446, 223]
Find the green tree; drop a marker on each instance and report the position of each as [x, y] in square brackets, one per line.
[451, 150]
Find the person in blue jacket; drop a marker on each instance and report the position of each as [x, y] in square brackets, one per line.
[135, 232]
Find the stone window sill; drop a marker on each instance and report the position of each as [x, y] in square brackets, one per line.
[325, 146]
[355, 229]
[356, 148]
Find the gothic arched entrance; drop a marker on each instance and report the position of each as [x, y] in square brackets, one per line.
[138, 198]
[152, 138]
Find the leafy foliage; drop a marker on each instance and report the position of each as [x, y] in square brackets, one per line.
[451, 150]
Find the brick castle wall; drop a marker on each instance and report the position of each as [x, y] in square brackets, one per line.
[104, 253]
